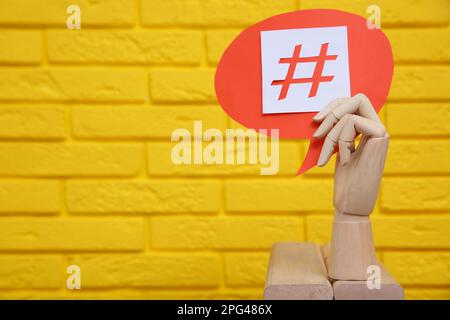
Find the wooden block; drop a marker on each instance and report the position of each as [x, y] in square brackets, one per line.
[297, 272]
[358, 290]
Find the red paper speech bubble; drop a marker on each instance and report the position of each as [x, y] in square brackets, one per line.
[238, 76]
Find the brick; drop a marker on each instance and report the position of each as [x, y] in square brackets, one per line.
[382, 114]
[32, 121]
[393, 13]
[53, 12]
[424, 119]
[159, 164]
[221, 294]
[127, 47]
[412, 232]
[391, 232]
[142, 121]
[419, 268]
[20, 47]
[420, 83]
[246, 269]
[29, 197]
[427, 294]
[136, 294]
[59, 84]
[410, 156]
[150, 270]
[325, 171]
[18, 272]
[420, 45]
[182, 85]
[211, 12]
[56, 159]
[319, 228]
[223, 233]
[413, 194]
[217, 41]
[156, 196]
[71, 234]
[279, 195]
[418, 156]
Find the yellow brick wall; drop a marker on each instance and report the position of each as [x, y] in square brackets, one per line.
[85, 170]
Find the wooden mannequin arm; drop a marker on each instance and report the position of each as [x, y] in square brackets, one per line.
[356, 184]
[358, 172]
[356, 181]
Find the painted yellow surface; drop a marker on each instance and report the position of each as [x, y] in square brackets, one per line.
[85, 171]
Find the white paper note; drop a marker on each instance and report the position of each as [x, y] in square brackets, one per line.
[313, 69]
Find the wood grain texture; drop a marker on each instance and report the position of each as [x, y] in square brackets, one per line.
[297, 272]
[356, 184]
[390, 289]
[356, 187]
[352, 248]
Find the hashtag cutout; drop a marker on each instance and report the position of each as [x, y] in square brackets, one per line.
[317, 77]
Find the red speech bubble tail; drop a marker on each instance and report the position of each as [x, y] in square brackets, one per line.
[315, 146]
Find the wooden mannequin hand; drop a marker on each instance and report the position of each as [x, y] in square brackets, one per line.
[358, 172]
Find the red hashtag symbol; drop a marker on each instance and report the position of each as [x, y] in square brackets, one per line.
[317, 77]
